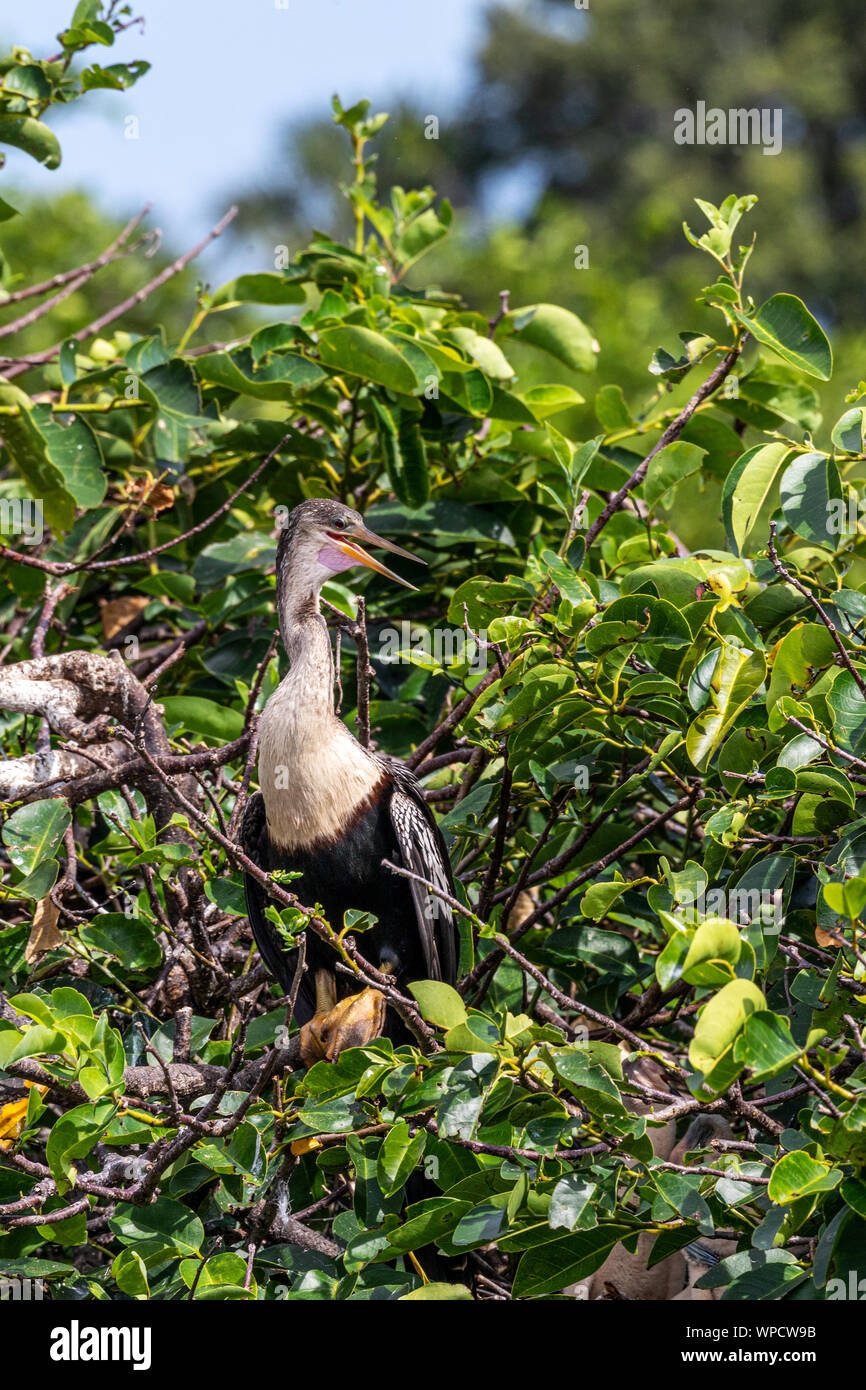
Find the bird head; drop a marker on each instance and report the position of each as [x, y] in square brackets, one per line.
[323, 537]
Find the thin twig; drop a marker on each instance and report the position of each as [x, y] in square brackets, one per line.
[96, 326]
[673, 431]
[789, 578]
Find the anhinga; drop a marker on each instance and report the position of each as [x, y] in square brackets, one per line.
[333, 811]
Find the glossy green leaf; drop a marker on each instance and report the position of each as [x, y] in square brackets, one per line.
[736, 678]
[438, 1003]
[33, 137]
[264, 287]
[747, 488]
[361, 352]
[400, 1154]
[555, 331]
[784, 324]
[808, 487]
[721, 1021]
[206, 718]
[798, 1175]
[553, 1266]
[34, 832]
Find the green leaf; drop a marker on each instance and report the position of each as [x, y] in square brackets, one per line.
[361, 352]
[737, 676]
[264, 287]
[585, 1074]
[132, 942]
[25, 1268]
[809, 485]
[219, 1278]
[172, 1225]
[428, 1221]
[549, 400]
[26, 447]
[846, 899]
[278, 379]
[784, 324]
[554, 330]
[423, 232]
[33, 137]
[849, 431]
[74, 450]
[404, 454]
[848, 709]
[415, 475]
[713, 953]
[766, 1045]
[172, 386]
[771, 395]
[668, 468]
[130, 1274]
[805, 650]
[549, 1268]
[571, 1204]
[439, 1003]
[204, 717]
[400, 1154]
[32, 1042]
[490, 358]
[481, 1225]
[34, 1006]
[721, 1021]
[34, 832]
[29, 81]
[116, 77]
[854, 1195]
[697, 346]
[438, 1293]
[73, 1136]
[798, 1175]
[600, 898]
[747, 488]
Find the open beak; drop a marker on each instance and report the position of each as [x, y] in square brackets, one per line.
[348, 543]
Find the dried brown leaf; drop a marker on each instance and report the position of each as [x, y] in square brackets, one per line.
[44, 934]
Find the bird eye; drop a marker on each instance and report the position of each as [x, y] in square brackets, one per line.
[341, 523]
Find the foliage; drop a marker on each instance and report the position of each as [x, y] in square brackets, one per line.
[65, 231]
[562, 140]
[649, 761]
[32, 85]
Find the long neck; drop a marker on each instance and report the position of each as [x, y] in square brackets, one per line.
[313, 774]
[305, 638]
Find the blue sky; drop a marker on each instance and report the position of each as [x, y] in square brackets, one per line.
[226, 74]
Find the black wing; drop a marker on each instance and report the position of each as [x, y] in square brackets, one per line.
[256, 846]
[423, 852]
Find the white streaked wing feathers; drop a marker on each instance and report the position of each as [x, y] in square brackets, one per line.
[421, 855]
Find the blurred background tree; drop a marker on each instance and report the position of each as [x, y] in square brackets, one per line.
[54, 234]
[565, 139]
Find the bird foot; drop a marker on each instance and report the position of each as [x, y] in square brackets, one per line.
[352, 1022]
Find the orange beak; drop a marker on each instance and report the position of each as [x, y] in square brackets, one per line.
[347, 543]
